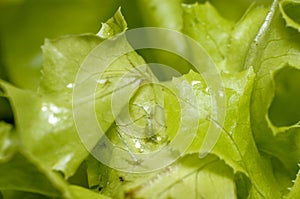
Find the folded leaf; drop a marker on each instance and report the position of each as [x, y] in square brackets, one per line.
[277, 77]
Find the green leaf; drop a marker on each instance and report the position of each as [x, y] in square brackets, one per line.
[46, 129]
[163, 14]
[80, 192]
[125, 69]
[189, 177]
[62, 59]
[203, 23]
[258, 150]
[113, 26]
[7, 141]
[166, 14]
[18, 171]
[295, 190]
[290, 13]
[283, 111]
[275, 86]
[238, 138]
[235, 10]
[80, 177]
[236, 145]
[45, 120]
[9, 194]
[147, 111]
[242, 35]
[20, 174]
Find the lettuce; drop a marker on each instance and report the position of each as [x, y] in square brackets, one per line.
[256, 52]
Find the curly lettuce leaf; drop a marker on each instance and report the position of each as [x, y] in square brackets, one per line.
[274, 88]
[241, 153]
[62, 59]
[43, 125]
[45, 120]
[236, 145]
[268, 31]
[257, 153]
[189, 177]
[113, 26]
[203, 23]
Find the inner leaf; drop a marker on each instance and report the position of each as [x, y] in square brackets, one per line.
[285, 107]
[292, 11]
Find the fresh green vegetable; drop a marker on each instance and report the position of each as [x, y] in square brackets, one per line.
[256, 51]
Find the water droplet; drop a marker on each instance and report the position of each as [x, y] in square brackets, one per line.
[158, 138]
[52, 119]
[188, 5]
[61, 164]
[70, 85]
[195, 83]
[207, 89]
[54, 108]
[109, 33]
[221, 93]
[102, 81]
[53, 113]
[44, 108]
[147, 109]
[137, 144]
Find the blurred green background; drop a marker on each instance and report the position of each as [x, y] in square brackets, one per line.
[24, 25]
